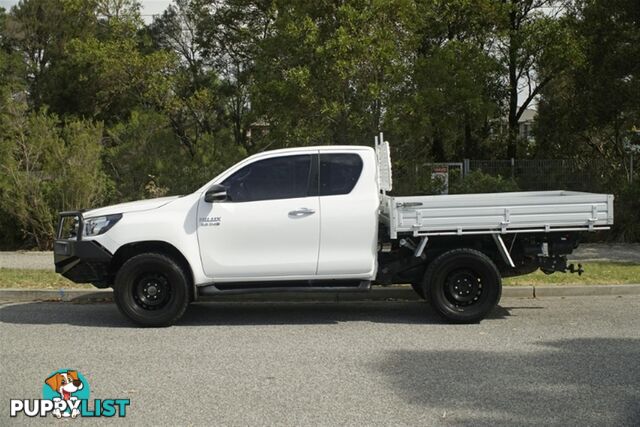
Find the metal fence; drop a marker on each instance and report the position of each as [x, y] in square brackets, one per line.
[529, 175]
[546, 174]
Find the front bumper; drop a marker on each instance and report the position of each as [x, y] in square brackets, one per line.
[81, 261]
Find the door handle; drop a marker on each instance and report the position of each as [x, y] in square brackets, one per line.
[301, 212]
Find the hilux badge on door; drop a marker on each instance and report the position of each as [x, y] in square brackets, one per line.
[210, 221]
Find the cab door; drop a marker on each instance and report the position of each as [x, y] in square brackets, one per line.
[268, 226]
[349, 202]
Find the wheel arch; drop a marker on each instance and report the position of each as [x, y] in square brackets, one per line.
[132, 249]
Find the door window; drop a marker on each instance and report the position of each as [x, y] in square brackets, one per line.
[339, 173]
[276, 178]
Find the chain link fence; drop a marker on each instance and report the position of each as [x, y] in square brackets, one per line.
[528, 175]
[545, 174]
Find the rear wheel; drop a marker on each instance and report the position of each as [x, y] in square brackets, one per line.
[463, 285]
[151, 290]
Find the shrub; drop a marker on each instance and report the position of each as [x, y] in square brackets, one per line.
[480, 182]
[146, 159]
[627, 213]
[47, 166]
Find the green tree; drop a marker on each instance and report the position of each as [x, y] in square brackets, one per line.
[535, 46]
[38, 31]
[111, 78]
[452, 89]
[591, 110]
[145, 158]
[325, 72]
[197, 104]
[231, 34]
[11, 70]
[47, 166]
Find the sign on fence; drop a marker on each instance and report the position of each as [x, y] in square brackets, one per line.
[441, 174]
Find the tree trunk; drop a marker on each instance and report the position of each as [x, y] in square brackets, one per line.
[437, 148]
[512, 137]
[469, 148]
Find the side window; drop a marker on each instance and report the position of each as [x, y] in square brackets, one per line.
[339, 173]
[276, 178]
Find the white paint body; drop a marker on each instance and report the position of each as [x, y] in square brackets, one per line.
[261, 241]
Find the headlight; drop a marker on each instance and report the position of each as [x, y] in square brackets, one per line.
[99, 224]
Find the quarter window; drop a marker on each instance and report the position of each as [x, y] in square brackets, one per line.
[339, 173]
[276, 178]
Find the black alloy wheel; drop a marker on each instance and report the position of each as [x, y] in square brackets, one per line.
[152, 289]
[463, 285]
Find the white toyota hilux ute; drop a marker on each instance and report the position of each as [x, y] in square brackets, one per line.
[320, 219]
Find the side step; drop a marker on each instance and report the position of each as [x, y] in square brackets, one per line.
[288, 286]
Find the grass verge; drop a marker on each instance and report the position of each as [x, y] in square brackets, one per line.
[36, 279]
[596, 273]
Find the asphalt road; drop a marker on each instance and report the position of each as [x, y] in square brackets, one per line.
[555, 361]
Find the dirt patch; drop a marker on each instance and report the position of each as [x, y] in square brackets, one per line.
[27, 260]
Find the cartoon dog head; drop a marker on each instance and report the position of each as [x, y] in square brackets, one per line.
[65, 383]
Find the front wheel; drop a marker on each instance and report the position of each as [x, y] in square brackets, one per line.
[152, 290]
[463, 285]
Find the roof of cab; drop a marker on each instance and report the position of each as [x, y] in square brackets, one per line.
[312, 149]
[320, 148]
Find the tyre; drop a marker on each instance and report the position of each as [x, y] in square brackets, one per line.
[419, 289]
[463, 285]
[152, 290]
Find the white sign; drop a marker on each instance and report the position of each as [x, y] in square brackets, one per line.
[441, 174]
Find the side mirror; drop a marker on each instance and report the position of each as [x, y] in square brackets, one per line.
[217, 193]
